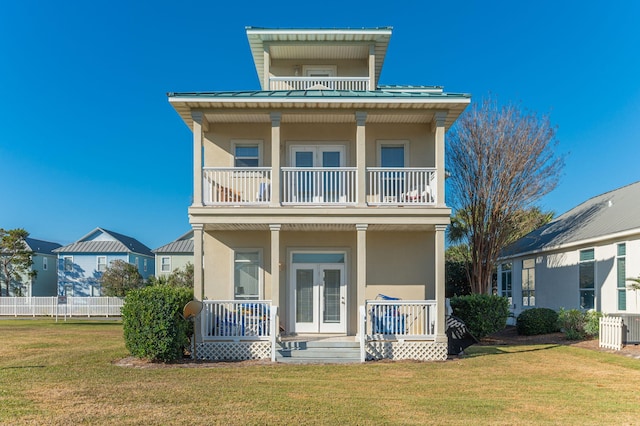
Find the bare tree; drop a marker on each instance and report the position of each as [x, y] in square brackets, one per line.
[15, 258]
[501, 160]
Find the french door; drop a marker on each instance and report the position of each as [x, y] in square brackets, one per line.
[318, 185]
[319, 298]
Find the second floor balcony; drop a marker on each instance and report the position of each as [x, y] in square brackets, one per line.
[319, 186]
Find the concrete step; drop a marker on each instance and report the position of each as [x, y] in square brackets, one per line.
[318, 351]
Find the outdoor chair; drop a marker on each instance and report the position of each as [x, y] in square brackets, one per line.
[387, 319]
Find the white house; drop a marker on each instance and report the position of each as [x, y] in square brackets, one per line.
[581, 260]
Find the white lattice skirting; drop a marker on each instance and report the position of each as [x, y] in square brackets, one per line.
[233, 351]
[421, 351]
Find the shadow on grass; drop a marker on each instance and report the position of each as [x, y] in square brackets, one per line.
[20, 367]
[477, 351]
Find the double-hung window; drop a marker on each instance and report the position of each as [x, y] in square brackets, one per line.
[68, 263]
[622, 276]
[505, 281]
[165, 264]
[246, 154]
[102, 263]
[587, 279]
[247, 277]
[529, 282]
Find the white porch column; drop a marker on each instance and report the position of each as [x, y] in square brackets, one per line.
[275, 158]
[438, 128]
[361, 266]
[198, 261]
[198, 122]
[440, 284]
[361, 159]
[275, 263]
[372, 66]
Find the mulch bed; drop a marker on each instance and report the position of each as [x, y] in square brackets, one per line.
[509, 336]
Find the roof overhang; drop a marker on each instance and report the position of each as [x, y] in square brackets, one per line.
[320, 109]
[318, 43]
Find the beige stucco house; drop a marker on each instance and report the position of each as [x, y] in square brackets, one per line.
[320, 191]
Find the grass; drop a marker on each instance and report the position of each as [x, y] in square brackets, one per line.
[62, 373]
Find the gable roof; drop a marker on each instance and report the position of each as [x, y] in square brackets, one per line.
[40, 246]
[614, 213]
[119, 244]
[182, 244]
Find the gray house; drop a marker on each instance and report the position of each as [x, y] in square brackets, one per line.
[579, 260]
[44, 283]
[174, 255]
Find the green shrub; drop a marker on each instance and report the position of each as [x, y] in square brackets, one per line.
[577, 324]
[537, 321]
[153, 325]
[482, 313]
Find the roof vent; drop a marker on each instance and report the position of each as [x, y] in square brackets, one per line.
[609, 203]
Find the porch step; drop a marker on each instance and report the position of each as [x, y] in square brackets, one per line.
[318, 352]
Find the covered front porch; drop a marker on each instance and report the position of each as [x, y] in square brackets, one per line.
[286, 282]
[391, 329]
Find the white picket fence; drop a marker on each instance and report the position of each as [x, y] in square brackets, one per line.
[64, 306]
[611, 329]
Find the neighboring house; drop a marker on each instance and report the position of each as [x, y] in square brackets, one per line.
[81, 264]
[322, 189]
[174, 255]
[44, 265]
[579, 260]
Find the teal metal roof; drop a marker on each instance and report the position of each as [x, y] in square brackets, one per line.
[315, 94]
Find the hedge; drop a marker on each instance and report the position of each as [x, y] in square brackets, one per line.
[537, 321]
[153, 325]
[483, 314]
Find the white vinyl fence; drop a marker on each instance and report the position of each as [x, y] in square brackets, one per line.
[611, 333]
[62, 306]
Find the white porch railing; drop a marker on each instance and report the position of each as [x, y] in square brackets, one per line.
[404, 185]
[611, 329]
[400, 319]
[237, 320]
[319, 185]
[235, 185]
[49, 306]
[312, 83]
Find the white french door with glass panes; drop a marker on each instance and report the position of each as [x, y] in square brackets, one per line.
[319, 294]
[317, 185]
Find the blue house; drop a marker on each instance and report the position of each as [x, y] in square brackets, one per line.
[81, 264]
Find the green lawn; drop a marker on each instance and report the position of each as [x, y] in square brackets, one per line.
[62, 373]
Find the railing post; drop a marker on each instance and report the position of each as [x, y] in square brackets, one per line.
[274, 331]
[363, 332]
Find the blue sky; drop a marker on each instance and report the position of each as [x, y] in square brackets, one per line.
[87, 137]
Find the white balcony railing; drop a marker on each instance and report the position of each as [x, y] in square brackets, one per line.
[236, 320]
[406, 186]
[313, 83]
[400, 319]
[319, 185]
[234, 185]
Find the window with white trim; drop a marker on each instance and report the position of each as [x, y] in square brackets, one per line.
[102, 264]
[68, 263]
[529, 282]
[45, 263]
[247, 153]
[505, 281]
[587, 279]
[247, 277]
[165, 264]
[144, 263]
[621, 269]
